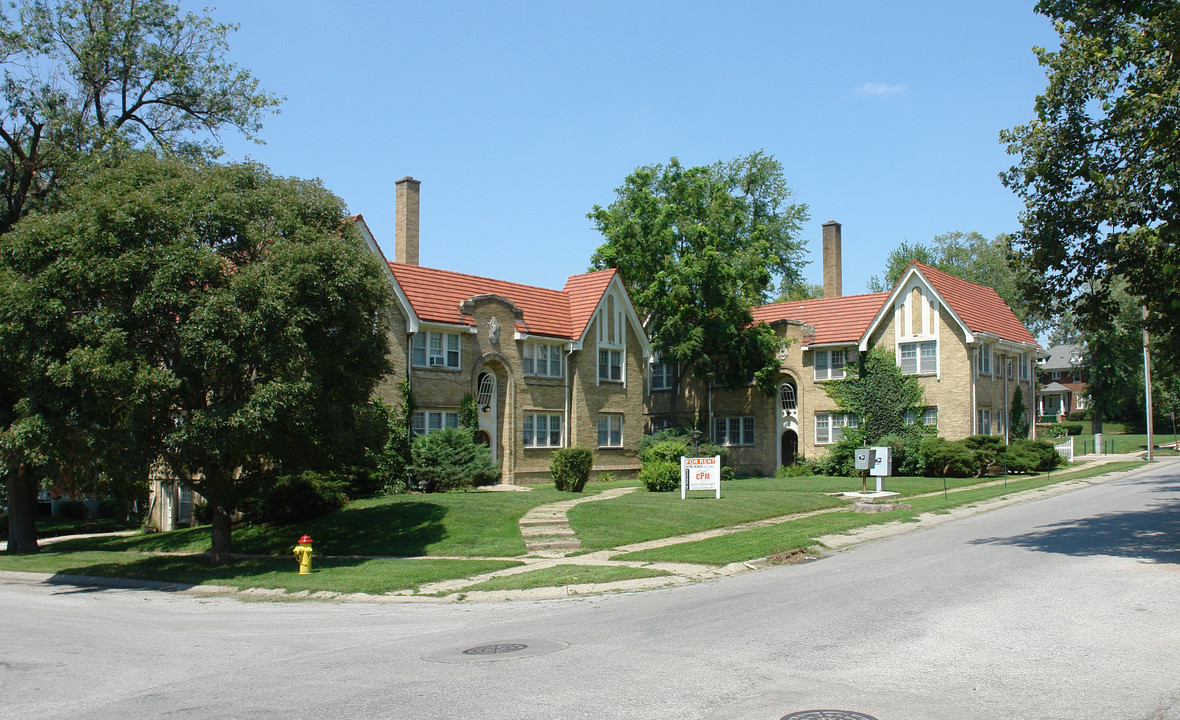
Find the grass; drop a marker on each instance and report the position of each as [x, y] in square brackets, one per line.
[345, 575]
[560, 575]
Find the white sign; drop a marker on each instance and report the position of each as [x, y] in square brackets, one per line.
[700, 473]
[881, 461]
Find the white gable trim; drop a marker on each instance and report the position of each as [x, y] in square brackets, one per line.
[412, 322]
[902, 286]
[616, 285]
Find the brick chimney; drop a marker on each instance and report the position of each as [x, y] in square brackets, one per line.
[405, 222]
[833, 271]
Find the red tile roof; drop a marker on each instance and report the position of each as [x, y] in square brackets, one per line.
[435, 295]
[980, 308]
[836, 320]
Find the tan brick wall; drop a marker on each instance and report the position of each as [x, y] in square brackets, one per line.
[399, 347]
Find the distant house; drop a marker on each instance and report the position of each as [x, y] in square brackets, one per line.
[1062, 382]
[961, 340]
[547, 368]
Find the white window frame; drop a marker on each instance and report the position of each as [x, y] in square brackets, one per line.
[531, 432]
[531, 354]
[833, 425]
[610, 362]
[610, 430]
[661, 376]
[436, 350]
[930, 416]
[984, 361]
[788, 397]
[985, 422]
[1023, 362]
[922, 353]
[424, 422]
[737, 431]
[829, 364]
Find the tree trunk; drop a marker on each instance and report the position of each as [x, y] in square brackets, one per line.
[22, 512]
[219, 553]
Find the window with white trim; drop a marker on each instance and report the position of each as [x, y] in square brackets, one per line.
[541, 359]
[610, 366]
[435, 349]
[787, 398]
[1022, 361]
[919, 358]
[541, 430]
[829, 427]
[424, 422]
[610, 431]
[985, 422]
[984, 363]
[661, 376]
[930, 416]
[733, 431]
[829, 364]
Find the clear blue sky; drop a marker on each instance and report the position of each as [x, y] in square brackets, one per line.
[518, 117]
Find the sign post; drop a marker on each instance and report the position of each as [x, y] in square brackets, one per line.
[700, 473]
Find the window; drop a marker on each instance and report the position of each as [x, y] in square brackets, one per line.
[919, 358]
[1077, 376]
[829, 364]
[1055, 375]
[985, 422]
[829, 427]
[733, 431]
[1008, 363]
[425, 422]
[610, 431]
[541, 359]
[610, 365]
[1022, 361]
[985, 360]
[786, 394]
[930, 416]
[541, 430]
[435, 349]
[661, 376]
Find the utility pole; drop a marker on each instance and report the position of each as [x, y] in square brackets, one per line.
[1147, 387]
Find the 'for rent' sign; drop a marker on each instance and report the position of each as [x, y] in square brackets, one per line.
[700, 473]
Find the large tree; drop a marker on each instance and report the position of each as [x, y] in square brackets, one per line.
[223, 319]
[974, 258]
[1098, 167]
[87, 78]
[697, 248]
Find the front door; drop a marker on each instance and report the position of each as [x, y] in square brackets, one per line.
[485, 404]
[790, 447]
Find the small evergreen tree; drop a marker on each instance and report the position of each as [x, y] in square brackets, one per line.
[469, 415]
[1016, 418]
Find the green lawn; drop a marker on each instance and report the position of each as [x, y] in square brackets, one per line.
[565, 575]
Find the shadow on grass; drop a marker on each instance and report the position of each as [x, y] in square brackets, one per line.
[1151, 534]
[171, 573]
[401, 529]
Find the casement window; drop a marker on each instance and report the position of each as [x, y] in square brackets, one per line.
[541, 430]
[984, 364]
[610, 431]
[930, 416]
[435, 349]
[829, 427]
[541, 359]
[829, 364]
[661, 376]
[919, 358]
[424, 422]
[733, 431]
[985, 422]
[787, 399]
[610, 366]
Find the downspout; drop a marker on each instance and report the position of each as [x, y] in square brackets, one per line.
[569, 432]
[974, 409]
[1007, 402]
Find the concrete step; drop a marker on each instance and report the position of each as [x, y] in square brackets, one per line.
[560, 545]
[543, 522]
[553, 532]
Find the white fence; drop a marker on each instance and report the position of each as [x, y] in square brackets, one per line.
[1065, 449]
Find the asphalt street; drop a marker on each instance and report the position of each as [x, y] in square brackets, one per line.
[1063, 607]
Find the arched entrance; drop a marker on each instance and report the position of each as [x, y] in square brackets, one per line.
[486, 404]
[789, 447]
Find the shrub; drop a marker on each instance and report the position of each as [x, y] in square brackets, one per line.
[571, 468]
[799, 469]
[1025, 456]
[202, 513]
[840, 459]
[726, 474]
[659, 436]
[71, 510]
[665, 451]
[606, 476]
[298, 498]
[450, 459]
[1077, 415]
[946, 458]
[907, 453]
[660, 475]
[986, 449]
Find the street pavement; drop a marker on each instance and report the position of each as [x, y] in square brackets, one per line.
[1064, 607]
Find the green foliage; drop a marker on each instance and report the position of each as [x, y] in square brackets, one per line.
[1098, 166]
[660, 475]
[799, 469]
[1016, 418]
[571, 468]
[1027, 456]
[290, 499]
[679, 434]
[677, 446]
[986, 450]
[72, 510]
[697, 248]
[880, 396]
[450, 459]
[468, 414]
[907, 453]
[605, 476]
[948, 459]
[391, 461]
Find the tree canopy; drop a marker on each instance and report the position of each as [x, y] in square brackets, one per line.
[697, 248]
[86, 78]
[218, 318]
[1098, 166]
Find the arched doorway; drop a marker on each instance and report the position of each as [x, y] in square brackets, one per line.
[486, 405]
[790, 447]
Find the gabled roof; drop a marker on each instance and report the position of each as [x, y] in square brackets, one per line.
[436, 296]
[1061, 357]
[980, 308]
[839, 320]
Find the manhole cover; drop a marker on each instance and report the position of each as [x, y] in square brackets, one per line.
[488, 652]
[495, 649]
[827, 715]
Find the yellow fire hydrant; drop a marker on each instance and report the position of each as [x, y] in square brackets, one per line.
[303, 554]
